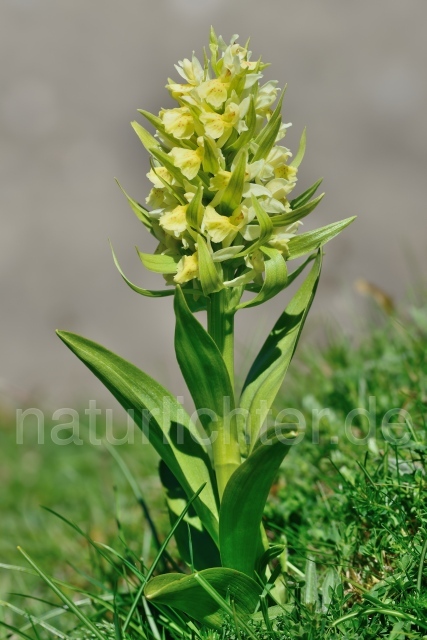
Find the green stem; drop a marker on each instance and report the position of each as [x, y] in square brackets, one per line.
[225, 447]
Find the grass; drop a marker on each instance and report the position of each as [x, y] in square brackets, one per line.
[348, 513]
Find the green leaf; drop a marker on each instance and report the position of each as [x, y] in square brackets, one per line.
[208, 381]
[210, 156]
[209, 272]
[266, 228]
[195, 545]
[232, 195]
[301, 150]
[201, 363]
[267, 136]
[275, 279]
[312, 240]
[310, 589]
[305, 197]
[140, 212]
[158, 262]
[146, 138]
[161, 418]
[330, 583]
[185, 593]
[246, 136]
[162, 293]
[296, 214]
[271, 364]
[244, 500]
[195, 210]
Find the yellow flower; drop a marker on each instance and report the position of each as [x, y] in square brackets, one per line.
[287, 172]
[191, 71]
[216, 124]
[175, 221]
[188, 268]
[223, 228]
[279, 240]
[155, 198]
[178, 122]
[214, 92]
[155, 174]
[188, 160]
[220, 180]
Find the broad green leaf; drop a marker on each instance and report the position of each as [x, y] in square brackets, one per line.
[201, 363]
[208, 381]
[275, 278]
[232, 196]
[209, 274]
[140, 212]
[271, 364]
[194, 213]
[158, 262]
[301, 150]
[195, 545]
[302, 199]
[184, 592]
[244, 500]
[146, 138]
[312, 240]
[162, 293]
[161, 418]
[296, 214]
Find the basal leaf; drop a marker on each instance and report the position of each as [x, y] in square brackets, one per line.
[161, 418]
[271, 364]
[184, 592]
[244, 500]
[311, 240]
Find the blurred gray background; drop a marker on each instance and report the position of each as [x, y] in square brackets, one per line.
[73, 73]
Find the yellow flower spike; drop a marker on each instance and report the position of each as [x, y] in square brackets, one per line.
[214, 92]
[175, 221]
[187, 160]
[188, 269]
[178, 122]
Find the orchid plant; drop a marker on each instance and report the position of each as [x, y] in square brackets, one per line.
[226, 227]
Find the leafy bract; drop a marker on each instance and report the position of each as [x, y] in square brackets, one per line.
[244, 500]
[185, 593]
[161, 418]
[312, 240]
[209, 271]
[275, 278]
[270, 366]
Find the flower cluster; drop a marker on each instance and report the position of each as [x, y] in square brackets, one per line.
[221, 181]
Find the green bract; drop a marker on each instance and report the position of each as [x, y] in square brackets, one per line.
[220, 211]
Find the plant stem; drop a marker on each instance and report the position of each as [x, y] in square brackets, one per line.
[225, 447]
[221, 328]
